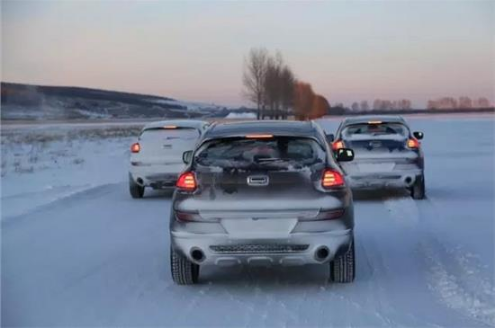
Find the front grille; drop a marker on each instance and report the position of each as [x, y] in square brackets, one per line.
[258, 248]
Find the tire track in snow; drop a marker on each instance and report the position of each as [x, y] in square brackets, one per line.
[383, 305]
[60, 200]
[193, 303]
[266, 311]
[455, 277]
[404, 211]
[366, 250]
[450, 277]
[451, 288]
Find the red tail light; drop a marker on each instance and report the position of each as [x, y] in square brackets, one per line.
[413, 144]
[338, 144]
[330, 215]
[187, 182]
[332, 179]
[136, 147]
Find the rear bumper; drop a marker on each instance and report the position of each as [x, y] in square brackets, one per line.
[157, 176]
[297, 249]
[390, 179]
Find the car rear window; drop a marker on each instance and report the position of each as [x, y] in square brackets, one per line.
[169, 134]
[274, 153]
[382, 129]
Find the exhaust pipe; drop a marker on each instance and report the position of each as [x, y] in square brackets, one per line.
[322, 253]
[197, 255]
[409, 181]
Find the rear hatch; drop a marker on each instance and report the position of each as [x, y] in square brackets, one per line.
[165, 146]
[243, 180]
[378, 147]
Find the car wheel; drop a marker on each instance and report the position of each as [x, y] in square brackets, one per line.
[418, 189]
[136, 190]
[343, 268]
[184, 272]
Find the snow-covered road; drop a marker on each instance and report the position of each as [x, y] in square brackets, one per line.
[99, 258]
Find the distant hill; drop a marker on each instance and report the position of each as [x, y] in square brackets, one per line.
[35, 102]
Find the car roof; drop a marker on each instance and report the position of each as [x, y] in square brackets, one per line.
[180, 123]
[367, 118]
[235, 129]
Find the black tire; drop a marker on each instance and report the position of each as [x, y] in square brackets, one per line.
[418, 189]
[343, 268]
[184, 272]
[135, 190]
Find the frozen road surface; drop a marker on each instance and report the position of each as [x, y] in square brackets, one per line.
[95, 257]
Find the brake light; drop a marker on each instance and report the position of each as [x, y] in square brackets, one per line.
[330, 215]
[338, 144]
[331, 179]
[413, 144]
[170, 127]
[186, 182]
[258, 136]
[135, 148]
[193, 217]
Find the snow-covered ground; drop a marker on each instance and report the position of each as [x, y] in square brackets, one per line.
[77, 250]
[190, 105]
[45, 163]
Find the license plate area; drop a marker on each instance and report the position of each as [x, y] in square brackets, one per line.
[376, 167]
[258, 228]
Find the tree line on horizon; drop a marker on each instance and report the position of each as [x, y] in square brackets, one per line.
[270, 83]
[461, 103]
[405, 104]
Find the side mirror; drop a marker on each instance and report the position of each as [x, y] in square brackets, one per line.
[187, 156]
[330, 137]
[418, 135]
[345, 155]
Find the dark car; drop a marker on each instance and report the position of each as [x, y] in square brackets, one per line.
[262, 193]
[387, 153]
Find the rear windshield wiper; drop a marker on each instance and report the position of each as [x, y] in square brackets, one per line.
[270, 160]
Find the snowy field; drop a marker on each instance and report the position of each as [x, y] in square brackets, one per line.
[78, 251]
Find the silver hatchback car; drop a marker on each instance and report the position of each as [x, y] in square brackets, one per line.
[388, 154]
[262, 193]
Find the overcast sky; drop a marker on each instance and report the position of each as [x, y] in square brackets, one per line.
[194, 51]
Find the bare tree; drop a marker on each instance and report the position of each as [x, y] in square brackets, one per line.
[269, 83]
[432, 104]
[320, 107]
[355, 106]
[272, 85]
[465, 103]
[483, 103]
[254, 76]
[461, 103]
[406, 104]
[303, 100]
[364, 105]
[287, 86]
[377, 104]
[443, 103]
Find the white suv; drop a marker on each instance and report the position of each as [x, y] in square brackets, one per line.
[156, 158]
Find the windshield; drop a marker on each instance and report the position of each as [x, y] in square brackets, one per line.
[280, 152]
[366, 130]
[169, 134]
